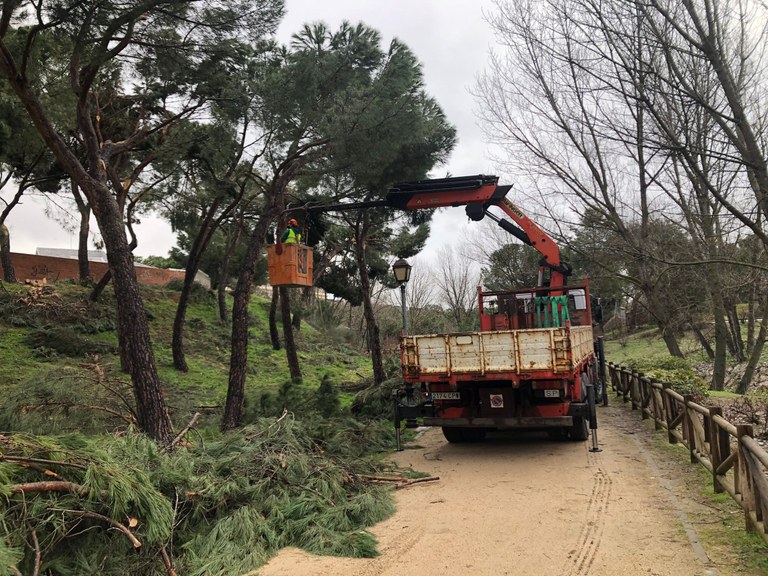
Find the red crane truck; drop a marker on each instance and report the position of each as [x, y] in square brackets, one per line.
[533, 360]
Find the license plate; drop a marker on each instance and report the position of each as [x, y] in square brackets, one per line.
[446, 396]
[554, 393]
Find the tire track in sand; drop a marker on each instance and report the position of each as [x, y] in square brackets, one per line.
[588, 543]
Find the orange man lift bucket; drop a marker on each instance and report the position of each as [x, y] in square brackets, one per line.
[290, 265]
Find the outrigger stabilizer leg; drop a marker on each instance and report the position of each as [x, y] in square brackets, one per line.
[592, 418]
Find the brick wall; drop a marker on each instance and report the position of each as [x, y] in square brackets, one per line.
[33, 267]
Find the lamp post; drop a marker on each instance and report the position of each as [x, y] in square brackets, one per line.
[402, 271]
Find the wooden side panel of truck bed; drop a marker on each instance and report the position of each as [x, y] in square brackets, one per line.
[486, 353]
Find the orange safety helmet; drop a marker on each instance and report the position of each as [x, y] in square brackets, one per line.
[293, 222]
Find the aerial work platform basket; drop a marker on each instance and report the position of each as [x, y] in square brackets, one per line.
[289, 265]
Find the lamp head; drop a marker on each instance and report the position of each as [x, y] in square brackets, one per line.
[402, 271]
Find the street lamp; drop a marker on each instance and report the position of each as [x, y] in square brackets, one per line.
[402, 271]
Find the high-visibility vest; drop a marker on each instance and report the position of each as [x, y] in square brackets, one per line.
[293, 237]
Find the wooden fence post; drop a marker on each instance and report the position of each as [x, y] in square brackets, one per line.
[669, 412]
[633, 392]
[745, 485]
[645, 397]
[613, 373]
[658, 411]
[688, 428]
[717, 451]
[625, 385]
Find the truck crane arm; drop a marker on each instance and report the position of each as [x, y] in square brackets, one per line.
[478, 193]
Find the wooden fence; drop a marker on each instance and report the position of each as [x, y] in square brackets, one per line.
[738, 464]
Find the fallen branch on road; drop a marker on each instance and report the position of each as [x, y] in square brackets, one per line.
[399, 482]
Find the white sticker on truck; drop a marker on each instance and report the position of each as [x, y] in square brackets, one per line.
[446, 396]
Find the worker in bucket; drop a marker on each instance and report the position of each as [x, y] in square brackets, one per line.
[292, 234]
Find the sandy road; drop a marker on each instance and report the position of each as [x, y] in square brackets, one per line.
[519, 504]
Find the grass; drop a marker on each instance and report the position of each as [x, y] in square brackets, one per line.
[728, 530]
[646, 345]
[717, 519]
[232, 499]
[65, 307]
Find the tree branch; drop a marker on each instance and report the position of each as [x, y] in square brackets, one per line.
[185, 430]
[112, 522]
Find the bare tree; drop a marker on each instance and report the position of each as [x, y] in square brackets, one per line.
[572, 121]
[619, 107]
[456, 280]
[420, 297]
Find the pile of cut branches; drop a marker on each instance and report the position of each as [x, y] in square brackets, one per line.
[109, 505]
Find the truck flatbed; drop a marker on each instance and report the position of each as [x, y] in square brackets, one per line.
[493, 355]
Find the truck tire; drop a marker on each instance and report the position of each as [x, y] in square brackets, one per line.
[454, 434]
[599, 390]
[474, 434]
[579, 432]
[557, 434]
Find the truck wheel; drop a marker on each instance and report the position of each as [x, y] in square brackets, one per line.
[579, 431]
[454, 434]
[599, 391]
[474, 434]
[557, 434]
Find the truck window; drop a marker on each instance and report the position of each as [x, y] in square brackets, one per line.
[578, 298]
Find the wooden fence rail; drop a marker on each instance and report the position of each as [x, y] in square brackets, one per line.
[738, 464]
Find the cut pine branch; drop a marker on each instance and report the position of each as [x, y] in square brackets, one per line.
[185, 430]
[54, 486]
[398, 481]
[106, 519]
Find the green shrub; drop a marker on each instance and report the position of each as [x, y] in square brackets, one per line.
[376, 401]
[327, 400]
[677, 372]
[64, 340]
[199, 294]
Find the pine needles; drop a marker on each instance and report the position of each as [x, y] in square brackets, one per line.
[79, 505]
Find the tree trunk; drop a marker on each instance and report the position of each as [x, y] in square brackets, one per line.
[9, 274]
[274, 334]
[290, 342]
[177, 341]
[83, 264]
[721, 329]
[696, 327]
[132, 324]
[296, 320]
[735, 330]
[100, 285]
[238, 365]
[208, 226]
[757, 350]
[666, 329]
[673, 346]
[133, 329]
[751, 321]
[721, 349]
[232, 238]
[374, 338]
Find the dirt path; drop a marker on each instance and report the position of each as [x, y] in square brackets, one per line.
[522, 505]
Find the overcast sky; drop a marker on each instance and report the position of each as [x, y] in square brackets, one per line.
[452, 41]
